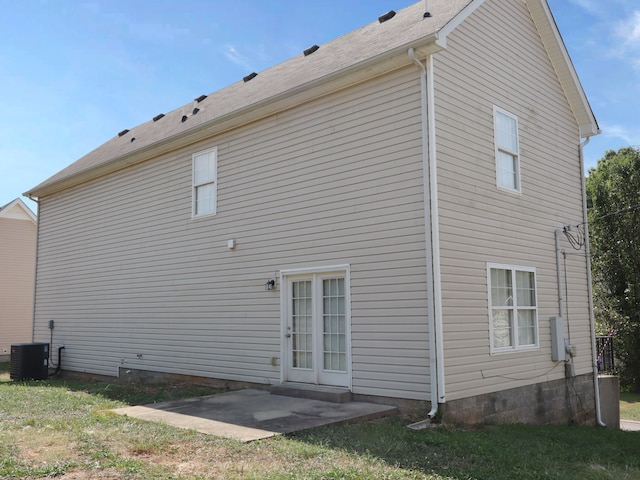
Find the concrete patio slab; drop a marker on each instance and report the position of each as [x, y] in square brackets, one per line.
[630, 425]
[251, 414]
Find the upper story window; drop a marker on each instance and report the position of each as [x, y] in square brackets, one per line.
[507, 150]
[512, 307]
[205, 182]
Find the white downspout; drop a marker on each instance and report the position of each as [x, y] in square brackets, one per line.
[592, 320]
[435, 229]
[432, 232]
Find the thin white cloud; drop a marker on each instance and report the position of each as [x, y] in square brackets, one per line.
[627, 34]
[629, 31]
[236, 57]
[630, 137]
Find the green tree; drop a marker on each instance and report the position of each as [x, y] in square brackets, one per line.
[613, 195]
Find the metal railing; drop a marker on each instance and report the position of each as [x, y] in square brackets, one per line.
[606, 357]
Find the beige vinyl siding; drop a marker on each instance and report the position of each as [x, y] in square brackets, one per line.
[495, 58]
[17, 264]
[126, 272]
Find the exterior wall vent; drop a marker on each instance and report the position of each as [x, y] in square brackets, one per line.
[29, 361]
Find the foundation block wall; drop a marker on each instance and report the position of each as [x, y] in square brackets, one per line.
[570, 400]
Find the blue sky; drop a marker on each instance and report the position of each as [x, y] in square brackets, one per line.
[75, 73]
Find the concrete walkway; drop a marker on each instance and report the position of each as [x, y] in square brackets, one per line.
[248, 415]
[630, 425]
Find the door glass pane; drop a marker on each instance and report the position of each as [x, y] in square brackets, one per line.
[302, 325]
[334, 328]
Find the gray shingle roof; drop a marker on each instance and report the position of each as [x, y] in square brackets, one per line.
[339, 55]
[353, 57]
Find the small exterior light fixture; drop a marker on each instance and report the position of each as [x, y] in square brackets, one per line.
[270, 285]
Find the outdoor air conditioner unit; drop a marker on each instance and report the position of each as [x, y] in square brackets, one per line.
[29, 361]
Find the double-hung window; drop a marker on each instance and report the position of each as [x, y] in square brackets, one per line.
[513, 307]
[204, 182]
[507, 150]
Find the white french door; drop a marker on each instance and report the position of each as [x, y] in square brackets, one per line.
[316, 327]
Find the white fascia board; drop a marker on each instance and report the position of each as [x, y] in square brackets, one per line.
[441, 36]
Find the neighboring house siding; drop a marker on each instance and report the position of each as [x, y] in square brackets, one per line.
[495, 58]
[126, 271]
[17, 263]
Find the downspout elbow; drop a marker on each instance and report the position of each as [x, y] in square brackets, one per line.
[412, 55]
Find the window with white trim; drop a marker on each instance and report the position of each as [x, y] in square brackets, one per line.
[507, 150]
[205, 182]
[513, 307]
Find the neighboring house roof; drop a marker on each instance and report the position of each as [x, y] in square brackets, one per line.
[17, 210]
[356, 56]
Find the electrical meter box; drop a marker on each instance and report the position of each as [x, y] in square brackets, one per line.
[558, 348]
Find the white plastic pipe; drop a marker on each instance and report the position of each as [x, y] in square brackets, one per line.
[558, 232]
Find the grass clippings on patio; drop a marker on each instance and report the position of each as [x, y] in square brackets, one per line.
[58, 429]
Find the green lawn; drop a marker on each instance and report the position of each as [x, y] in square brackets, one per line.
[630, 406]
[61, 429]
